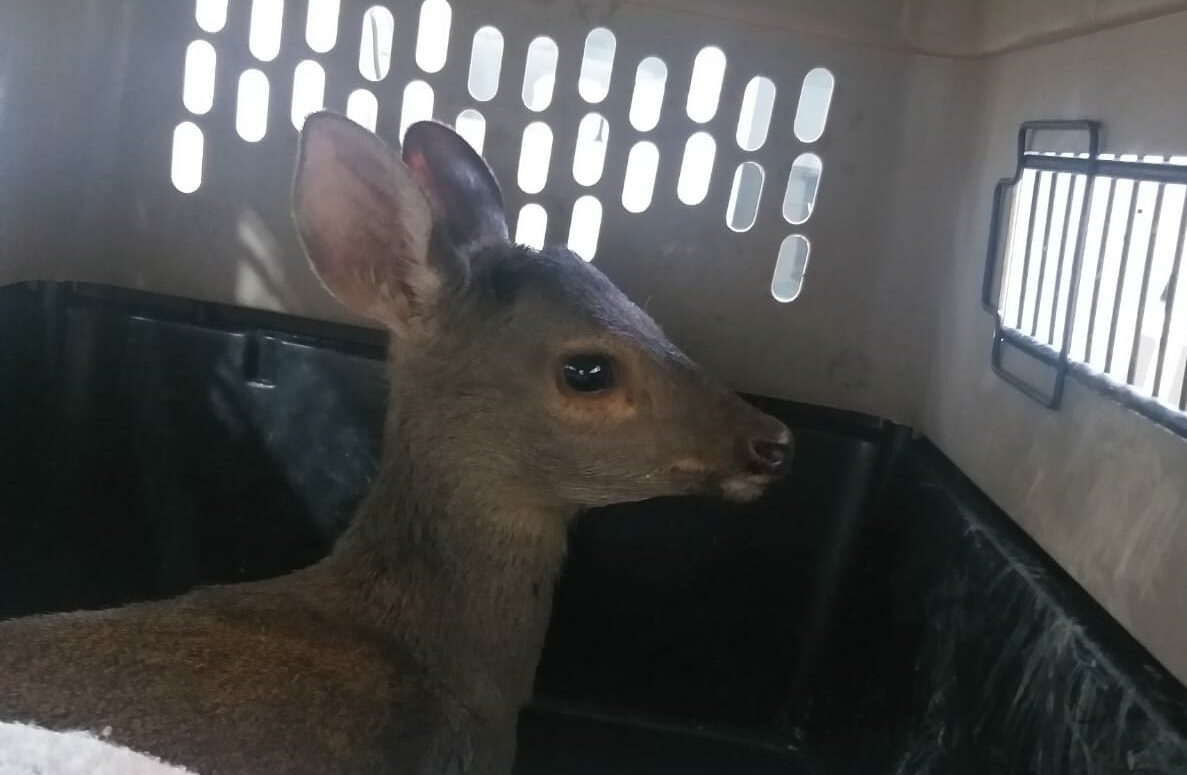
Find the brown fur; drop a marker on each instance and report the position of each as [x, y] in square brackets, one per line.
[412, 647]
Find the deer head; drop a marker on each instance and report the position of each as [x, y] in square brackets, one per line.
[524, 367]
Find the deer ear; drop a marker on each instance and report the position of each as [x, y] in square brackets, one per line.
[366, 224]
[466, 200]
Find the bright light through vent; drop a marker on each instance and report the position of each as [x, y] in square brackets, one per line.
[597, 65]
[802, 184]
[590, 154]
[585, 226]
[534, 156]
[309, 91]
[743, 115]
[186, 169]
[211, 15]
[417, 105]
[197, 92]
[696, 169]
[745, 196]
[321, 25]
[648, 97]
[539, 73]
[363, 108]
[790, 266]
[758, 102]
[251, 109]
[432, 37]
[267, 18]
[472, 127]
[375, 49]
[531, 226]
[639, 182]
[811, 114]
[704, 88]
[486, 63]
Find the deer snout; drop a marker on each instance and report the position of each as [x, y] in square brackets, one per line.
[771, 456]
[770, 450]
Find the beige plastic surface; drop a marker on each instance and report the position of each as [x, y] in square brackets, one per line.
[1101, 488]
[928, 97]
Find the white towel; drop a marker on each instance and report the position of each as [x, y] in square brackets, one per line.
[27, 750]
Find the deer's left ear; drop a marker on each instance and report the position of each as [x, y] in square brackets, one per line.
[465, 197]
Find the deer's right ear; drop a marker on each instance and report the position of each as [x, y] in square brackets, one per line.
[365, 223]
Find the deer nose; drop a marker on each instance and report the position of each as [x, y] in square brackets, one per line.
[771, 454]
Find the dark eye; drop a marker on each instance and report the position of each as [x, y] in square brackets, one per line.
[588, 373]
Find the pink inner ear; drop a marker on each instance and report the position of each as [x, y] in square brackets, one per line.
[464, 194]
[365, 222]
[419, 166]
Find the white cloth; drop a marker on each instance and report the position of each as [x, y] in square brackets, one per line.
[27, 750]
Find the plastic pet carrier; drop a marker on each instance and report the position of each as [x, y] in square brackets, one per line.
[942, 241]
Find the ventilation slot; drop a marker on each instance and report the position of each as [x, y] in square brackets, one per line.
[696, 169]
[597, 65]
[432, 37]
[486, 62]
[197, 92]
[648, 96]
[531, 226]
[590, 156]
[363, 108]
[321, 25]
[584, 227]
[539, 74]
[309, 91]
[375, 49]
[758, 103]
[251, 110]
[812, 112]
[642, 163]
[417, 105]
[788, 279]
[472, 127]
[267, 18]
[534, 156]
[704, 88]
[802, 184]
[186, 167]
[211, 15]
[745, 196]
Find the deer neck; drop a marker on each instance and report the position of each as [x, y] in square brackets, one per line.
[454, 562]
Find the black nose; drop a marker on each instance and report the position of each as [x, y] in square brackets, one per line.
[771, 455]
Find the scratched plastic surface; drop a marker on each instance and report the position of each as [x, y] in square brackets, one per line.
[873, 614]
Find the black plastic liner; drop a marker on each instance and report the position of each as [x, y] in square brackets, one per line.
[874, 613]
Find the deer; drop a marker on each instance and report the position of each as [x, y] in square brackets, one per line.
[525, 389]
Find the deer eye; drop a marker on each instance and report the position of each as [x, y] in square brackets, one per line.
[588, 373]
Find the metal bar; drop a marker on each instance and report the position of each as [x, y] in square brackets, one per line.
[1166, 416]
[1061, 124]
[1145, 286]
[1152, 172]
[994, 250]
[1100, 269]
[1160, 356]
[1035, 348]
[1077, 266]
[1123, 265]
[1034, 321]
[1030, 229]
[1067, 218]
[1183, 392]
[1038, 161]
